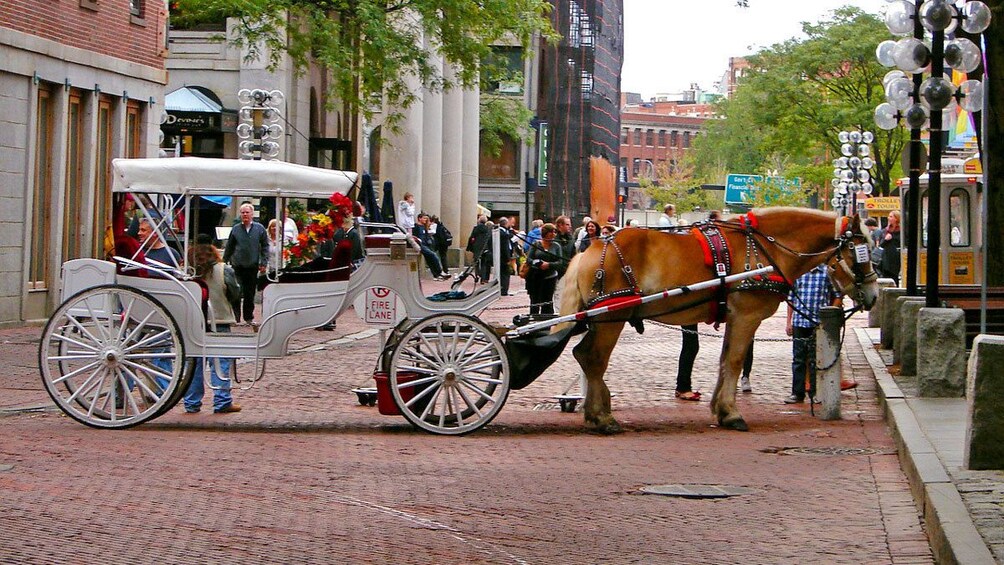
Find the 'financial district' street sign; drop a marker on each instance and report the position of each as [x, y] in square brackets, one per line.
[738, 188]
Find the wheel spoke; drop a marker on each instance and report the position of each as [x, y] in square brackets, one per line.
[467, 400]
[484, 395]
[432, 349]
[129, 400]
[82, 329]
[480, 379]
[97, 321]
[85, 386]
[436, 389]
[76, 371]
[455, 397]
[136, 330]
[146, 342]
[493, 363]
[97, 391]
[417, 355]
[148, 369]
[415, 382]
[486, 348]
[72, 341]
[142, 383]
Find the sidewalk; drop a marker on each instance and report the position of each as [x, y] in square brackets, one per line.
[963, 510]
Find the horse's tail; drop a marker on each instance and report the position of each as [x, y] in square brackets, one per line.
[571, 299]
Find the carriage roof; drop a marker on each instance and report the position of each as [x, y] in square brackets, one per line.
[228, 177]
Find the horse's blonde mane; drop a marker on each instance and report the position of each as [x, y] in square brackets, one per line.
[767, 212]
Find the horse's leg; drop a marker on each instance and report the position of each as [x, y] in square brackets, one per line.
[593, 355]
[745, 316]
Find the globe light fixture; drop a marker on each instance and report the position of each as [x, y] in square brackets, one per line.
[259, 130]
[850, 172]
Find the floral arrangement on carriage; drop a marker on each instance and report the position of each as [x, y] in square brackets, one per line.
[322, 227]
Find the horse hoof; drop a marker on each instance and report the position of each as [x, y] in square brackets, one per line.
[608, 427]
[738, 424]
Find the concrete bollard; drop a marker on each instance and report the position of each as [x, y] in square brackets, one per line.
[831, 320]
[875, 314]
[941, 352]
[888, 301]
[906, 336]
[984, 397]
[898, 338]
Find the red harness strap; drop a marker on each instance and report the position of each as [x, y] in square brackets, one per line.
[773, 282]
[717, 257]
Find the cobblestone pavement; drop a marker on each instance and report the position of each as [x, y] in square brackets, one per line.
[304, 474]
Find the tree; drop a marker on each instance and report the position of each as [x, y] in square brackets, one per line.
[375, 51]
[677, 186]
[796, 98]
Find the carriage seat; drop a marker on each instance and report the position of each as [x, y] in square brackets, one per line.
[378, 241]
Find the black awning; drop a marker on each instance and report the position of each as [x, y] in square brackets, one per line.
[196, 109]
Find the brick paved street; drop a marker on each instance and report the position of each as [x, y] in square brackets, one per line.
[306, 475]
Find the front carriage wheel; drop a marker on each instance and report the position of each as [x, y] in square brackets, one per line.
[449, 374]
[112, 357]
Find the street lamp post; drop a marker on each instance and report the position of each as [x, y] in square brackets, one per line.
[259, 130]
[851, 170]
[923, 104]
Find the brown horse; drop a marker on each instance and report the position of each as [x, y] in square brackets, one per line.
[793, 240]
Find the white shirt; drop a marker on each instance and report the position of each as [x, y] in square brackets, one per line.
[289, 231]
[406, 215]
[666, 222]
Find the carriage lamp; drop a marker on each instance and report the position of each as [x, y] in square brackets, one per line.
[259, 131]
[926, 47]
[851, 171]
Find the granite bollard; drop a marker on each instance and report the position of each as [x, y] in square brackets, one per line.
[940, 352]
[906, 336]
[899, 339]
[875, 314]
[887, 299]
[984, 397]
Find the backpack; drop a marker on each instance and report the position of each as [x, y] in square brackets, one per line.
[233, 287]
[446, 235]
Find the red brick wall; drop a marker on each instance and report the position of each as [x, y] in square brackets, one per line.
[108, 29]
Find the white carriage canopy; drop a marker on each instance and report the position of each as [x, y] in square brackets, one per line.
[228, 177]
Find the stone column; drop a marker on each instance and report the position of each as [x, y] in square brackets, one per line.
[887, 304]
[906, 337]
[875, 314]
[899, 339]
[941, 352]
[984, 397]
[469, 170]
[432, 146]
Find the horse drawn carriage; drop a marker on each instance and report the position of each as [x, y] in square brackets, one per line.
[121, 348]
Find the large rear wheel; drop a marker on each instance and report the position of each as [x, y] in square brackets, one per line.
[449, 374]
[112, 357]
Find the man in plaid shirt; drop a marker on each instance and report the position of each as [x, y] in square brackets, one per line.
[812, 291]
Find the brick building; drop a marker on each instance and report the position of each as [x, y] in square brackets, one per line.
[81, 82]
[654, 136]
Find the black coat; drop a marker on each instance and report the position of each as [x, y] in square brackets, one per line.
[481, 238]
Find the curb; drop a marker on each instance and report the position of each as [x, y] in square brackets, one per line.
[950, 529]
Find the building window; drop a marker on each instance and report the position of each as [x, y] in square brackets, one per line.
[636, 168]
[73, 194]
[686, 139]
[650, 138]
[503, 70]
[637, 137]
[625, 135]
[38, 272]
[662, 138]
[580, 28]
[134, 130]
[958, 219]
[586, 80]
[102, 175]
[672, 138]
[136, 8]
[504, 167]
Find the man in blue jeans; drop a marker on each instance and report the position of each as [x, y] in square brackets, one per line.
[812, 291]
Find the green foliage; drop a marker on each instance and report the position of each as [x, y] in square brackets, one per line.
[797, 96]
[375, 51]
[501, 117]
[678, 187]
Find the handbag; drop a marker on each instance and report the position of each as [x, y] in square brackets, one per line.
[524, 269]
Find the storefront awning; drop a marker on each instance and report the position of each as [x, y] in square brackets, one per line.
[196, 109]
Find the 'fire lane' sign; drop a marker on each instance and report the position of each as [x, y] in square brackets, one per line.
[380, 306]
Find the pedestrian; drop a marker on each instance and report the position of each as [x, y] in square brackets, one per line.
[744, 382]
[608, 230]
[289, 229]
[420, 231]
[546, 265]
[505, 255]
[443, 239]
[479, 245]
[580, 232]
[591, 232]
[132, 215]
[247, 252]
[155, 249]
[811, 292]
[532, 236]
[564, 237]
[668, 217]
[688, 353]
[890, 243]
[205, 258]
[714, 216]
[406, 212]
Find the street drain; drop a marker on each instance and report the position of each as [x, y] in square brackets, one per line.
[696, 491]
[830, 451]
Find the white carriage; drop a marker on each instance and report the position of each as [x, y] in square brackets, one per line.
[121, 347]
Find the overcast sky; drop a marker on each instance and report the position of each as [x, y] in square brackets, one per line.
[668, 44]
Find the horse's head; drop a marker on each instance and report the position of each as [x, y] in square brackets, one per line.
[850, 267]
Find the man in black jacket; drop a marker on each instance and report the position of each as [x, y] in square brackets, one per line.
[505, 254]
[479, 244]
[247, 252]
[421, 233]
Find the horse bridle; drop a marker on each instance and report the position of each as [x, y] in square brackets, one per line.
[855, 272]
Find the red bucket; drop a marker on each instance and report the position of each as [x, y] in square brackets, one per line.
[385, 400]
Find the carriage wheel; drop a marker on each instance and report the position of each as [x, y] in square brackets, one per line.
[112, 357]
[449, 374]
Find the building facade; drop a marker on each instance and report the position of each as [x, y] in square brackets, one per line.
[579, 104]
[81, 83]
[655, 136]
